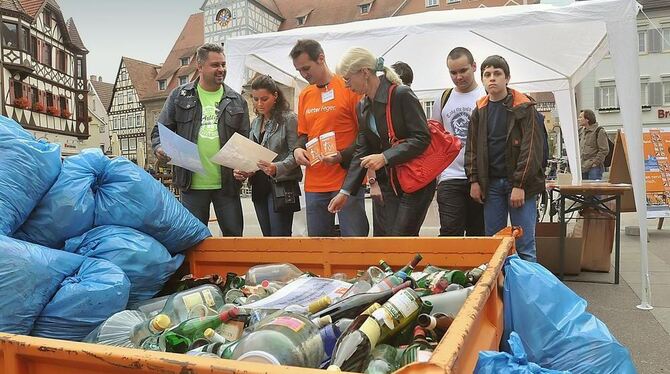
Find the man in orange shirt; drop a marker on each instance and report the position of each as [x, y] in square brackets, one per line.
[327, 105]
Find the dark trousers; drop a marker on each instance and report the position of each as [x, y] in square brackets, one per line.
[228, 209]
[402, 214]
[459, 214]
[272, 223]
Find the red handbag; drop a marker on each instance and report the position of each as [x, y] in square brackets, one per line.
[418, 172]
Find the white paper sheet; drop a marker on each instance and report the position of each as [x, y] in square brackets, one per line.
[182, 152]
[242, 154]
[302, 291]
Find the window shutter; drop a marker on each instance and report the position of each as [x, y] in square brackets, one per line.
[11, 92]
[654, 41]
[596, 98]
[656, 94]
[39, 50]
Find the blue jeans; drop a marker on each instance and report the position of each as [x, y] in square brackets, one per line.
[593, 174]
[496, 209]
[228, 209]
[272, 223]
[352, 217]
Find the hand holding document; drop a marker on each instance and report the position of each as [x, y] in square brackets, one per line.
[182, 152]
[240, 153]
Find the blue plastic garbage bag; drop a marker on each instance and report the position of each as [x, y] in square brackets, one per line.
[30, 276]
[28, 168]
[491, 362]
[68, 209]
[129, 196]
[145, 261]
[552, 322]
[84, 300]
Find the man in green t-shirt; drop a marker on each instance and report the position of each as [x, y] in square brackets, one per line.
[207, 112]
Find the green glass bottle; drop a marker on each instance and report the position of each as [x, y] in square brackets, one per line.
[179, 338]
[387, 269]
[407, 269]
[383, 360]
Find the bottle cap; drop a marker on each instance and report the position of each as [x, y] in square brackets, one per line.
[161, 322]
[333, 368]
[209, 333]
[319, 304]
[260, 357]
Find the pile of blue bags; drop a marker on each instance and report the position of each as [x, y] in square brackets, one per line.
[81, 239]
[548, 330]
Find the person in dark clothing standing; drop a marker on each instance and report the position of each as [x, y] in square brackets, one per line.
[503, 156]
[396, 213]
[207, 112]
[275, 128]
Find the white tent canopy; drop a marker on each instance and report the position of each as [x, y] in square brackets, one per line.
[548, 48]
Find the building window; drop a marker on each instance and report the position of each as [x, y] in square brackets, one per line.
[162, 84]
[642, 41]
[666, 39]
[183, 61]
[132, 144]
[130, 97]
[608, 98]
[428, 108]
[50, 99]
[10, 35]
[60, 60]
[430, 3]
[25, 39]
[124, 145]
[644, 93]
[47, 18]
[33, 47]
[46, 54]
[80, 68]
[453, 1]
[183, 79]
[36, 95]
[301, 20]
[365, 8]
[666, 93]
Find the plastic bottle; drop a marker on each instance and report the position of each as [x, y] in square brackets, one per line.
[352, 307]
[286, 339]
[383, 360]
[179, 338]
[149, 328]
[449, 302]
[272, 272]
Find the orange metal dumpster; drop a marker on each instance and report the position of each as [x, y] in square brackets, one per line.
[478, 325]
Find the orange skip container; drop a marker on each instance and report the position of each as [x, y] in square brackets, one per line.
[478, 326]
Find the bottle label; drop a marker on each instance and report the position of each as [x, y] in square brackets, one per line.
[232, 330]
[371, 329]
[190, 301]
[290, 322]
[404, 303]
[209, 299]
[437, 277]
[384, 316]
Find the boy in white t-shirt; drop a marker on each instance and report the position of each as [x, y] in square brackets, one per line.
[459, 213]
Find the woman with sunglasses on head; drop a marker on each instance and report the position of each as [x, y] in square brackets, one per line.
[395, 212]
[274, 188]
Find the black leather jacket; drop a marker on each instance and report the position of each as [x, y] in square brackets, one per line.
[182, 113]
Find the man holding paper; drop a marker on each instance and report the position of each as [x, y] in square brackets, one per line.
[207, 112]
[326, 114]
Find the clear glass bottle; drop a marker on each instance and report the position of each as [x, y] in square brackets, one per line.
[271, 272]
[152, 327]
[383, 360]
[285, 339]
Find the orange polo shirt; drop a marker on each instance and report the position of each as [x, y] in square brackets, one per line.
[319, 112]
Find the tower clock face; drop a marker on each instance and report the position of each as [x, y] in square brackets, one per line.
[223, 17]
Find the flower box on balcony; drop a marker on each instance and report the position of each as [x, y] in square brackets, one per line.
[22, 102]
[65, 113]
[38, 107]
[54, 111]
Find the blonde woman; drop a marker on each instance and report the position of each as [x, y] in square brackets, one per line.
[396, 213]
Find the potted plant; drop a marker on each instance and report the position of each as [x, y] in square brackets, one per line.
[22, 102]
[54, 111]
[65, 113]
[38, 107]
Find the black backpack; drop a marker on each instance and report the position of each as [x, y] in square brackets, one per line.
[539, 119]
[608, 158]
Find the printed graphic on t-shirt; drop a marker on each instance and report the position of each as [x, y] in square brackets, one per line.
[208, 128]
[460, 119]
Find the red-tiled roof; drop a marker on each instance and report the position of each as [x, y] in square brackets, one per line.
[32, 7]
[105, 92]
[142, 74]
[74, 35]
[191, 37]
[14, 5]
